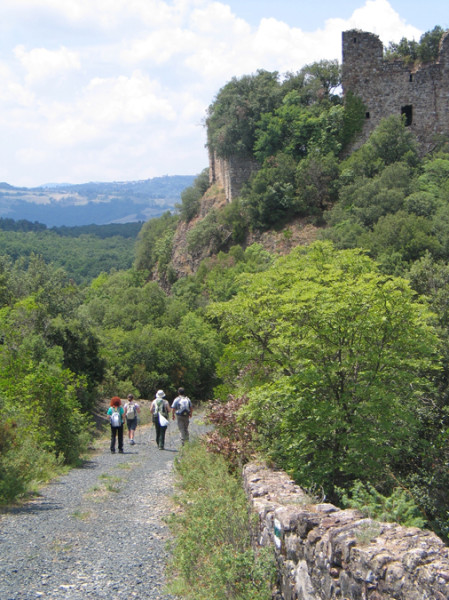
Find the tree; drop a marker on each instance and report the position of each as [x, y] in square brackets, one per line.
[232, 117]
[147, 250]
[191, 196]
[270, 198]
[334, 358]
[390, 142]
[426, 50]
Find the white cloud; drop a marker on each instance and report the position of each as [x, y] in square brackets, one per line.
[120, 88]
[12, 92]
[42, 64]
[160, 46]
[379, 17]
[216, 18]
[128, 100]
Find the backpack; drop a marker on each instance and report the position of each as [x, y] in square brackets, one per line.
[159, 407]
[116, 420]
[131, 411]
[183, 406]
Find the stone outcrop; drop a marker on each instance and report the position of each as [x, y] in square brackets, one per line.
[183, 262]
[324, 553]
[231, 173]
[420, 92]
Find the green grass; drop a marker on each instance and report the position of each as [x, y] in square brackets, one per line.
[213, 557]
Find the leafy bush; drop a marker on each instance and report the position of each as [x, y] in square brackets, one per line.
[23, 462]
[190, 197]
[213, 556]
[399, 507]
[148, 252]
[230, 439]
[209, 233]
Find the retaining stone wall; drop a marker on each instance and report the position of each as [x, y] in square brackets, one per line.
[325, 553]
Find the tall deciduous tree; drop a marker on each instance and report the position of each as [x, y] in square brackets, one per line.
[334, 358]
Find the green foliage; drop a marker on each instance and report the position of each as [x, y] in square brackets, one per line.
[235, 219]
[213, 556]
[408, 236]
[389, 143]
[317, 183]
[49, 363]
[232, 117]
[81, 351]
[399, 507]
[191, 196]
[296, 129]
[154, 242]
[353, 119]
[330, 353]
[209, 233]
[82, 257]
[150, 340]
[219, 278]
[426, 50]
[271, 197]
[23, 464]
[279, 125]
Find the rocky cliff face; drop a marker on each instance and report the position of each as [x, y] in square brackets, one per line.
[231, 173]
[185, 262]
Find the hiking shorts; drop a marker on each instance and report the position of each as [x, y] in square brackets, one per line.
[132, 423]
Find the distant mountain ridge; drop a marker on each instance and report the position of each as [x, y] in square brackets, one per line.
[96, 203]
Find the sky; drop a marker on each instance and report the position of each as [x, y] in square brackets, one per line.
[118, 90]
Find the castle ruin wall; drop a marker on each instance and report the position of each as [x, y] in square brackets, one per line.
[231, 173]
[394, 87]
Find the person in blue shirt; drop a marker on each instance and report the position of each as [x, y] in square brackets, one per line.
[116, 418]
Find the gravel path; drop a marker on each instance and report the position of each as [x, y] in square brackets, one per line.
[97, 532]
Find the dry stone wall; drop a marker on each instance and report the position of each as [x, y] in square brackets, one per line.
[388, 88]
[325, 553]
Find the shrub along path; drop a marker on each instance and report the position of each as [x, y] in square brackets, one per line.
[97, 532]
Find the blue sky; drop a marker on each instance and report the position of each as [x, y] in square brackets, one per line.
[95, 90]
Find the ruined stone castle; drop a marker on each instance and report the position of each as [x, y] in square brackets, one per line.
[386, 87]
[420, 93]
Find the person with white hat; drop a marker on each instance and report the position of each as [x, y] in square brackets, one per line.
[160, 409]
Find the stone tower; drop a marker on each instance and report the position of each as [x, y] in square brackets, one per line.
[421, 93]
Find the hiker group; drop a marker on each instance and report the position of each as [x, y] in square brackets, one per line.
[181, 410]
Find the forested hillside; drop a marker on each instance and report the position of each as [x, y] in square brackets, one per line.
[84, 252]
[331, 361]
